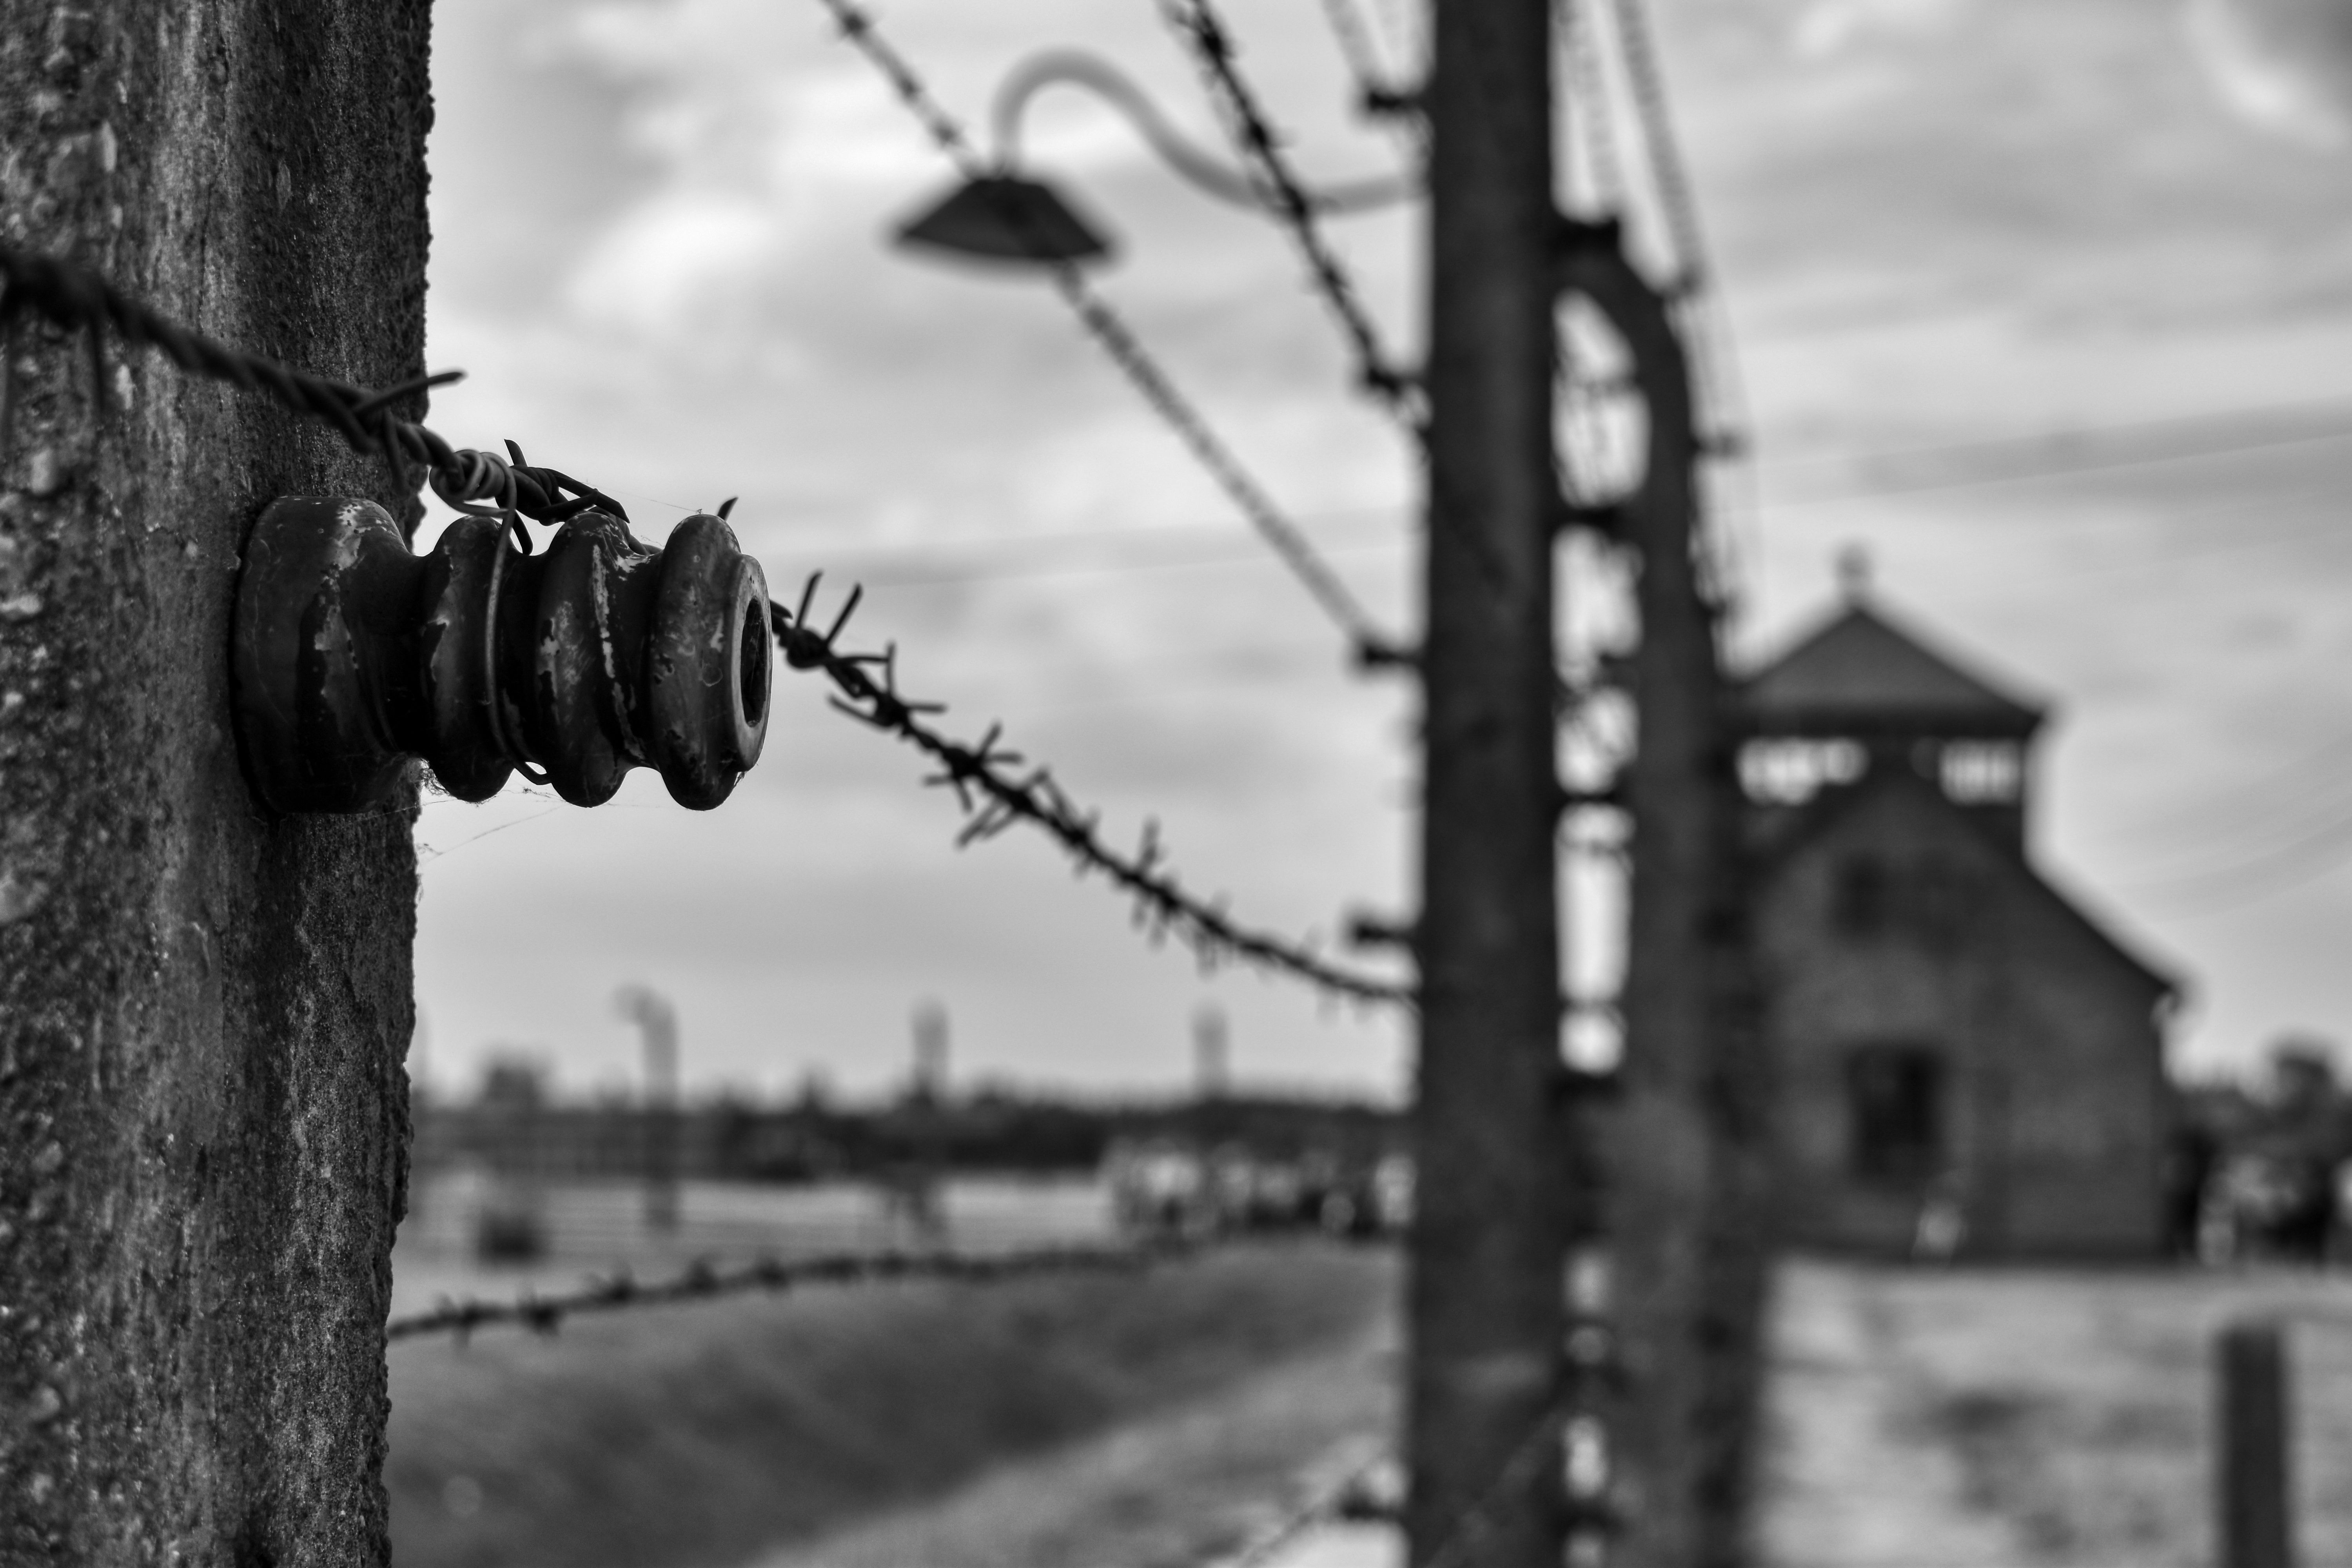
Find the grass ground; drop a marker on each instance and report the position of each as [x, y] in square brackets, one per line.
[711, 1434]
[2011, 1418]
[2007, 1418]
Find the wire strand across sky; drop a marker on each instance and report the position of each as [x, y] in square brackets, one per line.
[1112, 335]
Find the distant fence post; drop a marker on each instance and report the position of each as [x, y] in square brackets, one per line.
[2251, 1442]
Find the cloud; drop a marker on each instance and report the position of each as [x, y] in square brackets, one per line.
[1827, 28]
[2282, 66]
[672, 259]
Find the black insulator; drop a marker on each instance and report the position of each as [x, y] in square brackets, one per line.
[354, 656]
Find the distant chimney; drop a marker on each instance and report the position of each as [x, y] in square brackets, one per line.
[1211, 1067]
[930, 1084]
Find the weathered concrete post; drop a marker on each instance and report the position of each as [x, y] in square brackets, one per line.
[1690, 1145]
[1483, 1432]
[203, 1010]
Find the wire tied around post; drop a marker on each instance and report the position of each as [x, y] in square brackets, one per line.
[75, 298]
[704, 1280]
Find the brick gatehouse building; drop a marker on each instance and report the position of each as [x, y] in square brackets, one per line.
[1966, 1058]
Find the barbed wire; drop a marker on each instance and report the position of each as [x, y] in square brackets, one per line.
[1353, 1496]
[1204, 31]
[703, 1281]
[1119, 342]
[1359, 50]
[993, 796]
[1198, 24]
[1475, 1520]
[1383, 91]
[1697, 304]
[1344, 1495]
[1588, 109]
[1402, 396]
[997, 787]
[1677, 203]
[76, 299]
[1399, 394]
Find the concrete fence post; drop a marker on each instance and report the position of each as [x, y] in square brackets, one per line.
[203, 1005]
[2257, 1526]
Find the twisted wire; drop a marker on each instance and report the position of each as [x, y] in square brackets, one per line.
[483, 483]
[1590, 108]
[997, 787]
[1196, 23]
[702, 1281]
[1119, 342]
[1340, 1497]
[1716, 368]
[1677, 201]
[1372, 645]
[1589, 117]
[1471, 1525]
[75, 298]
[1381, 90]
[1401, 395]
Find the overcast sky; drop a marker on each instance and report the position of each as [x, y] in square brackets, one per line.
[659, 249]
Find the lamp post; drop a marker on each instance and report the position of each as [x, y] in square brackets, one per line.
[1007, 216]
[1485, 1321]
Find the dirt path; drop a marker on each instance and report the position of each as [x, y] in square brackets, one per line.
[1171, 1490]
[1854, 1477]
[2016, 1418]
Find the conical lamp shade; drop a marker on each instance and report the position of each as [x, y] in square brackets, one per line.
[1002, 217]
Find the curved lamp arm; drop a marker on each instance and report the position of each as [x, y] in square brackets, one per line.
[1053, 66]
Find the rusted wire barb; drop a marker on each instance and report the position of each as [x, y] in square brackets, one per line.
[997, 787]
[702, 1281]
[75, 298]
[1120, 343]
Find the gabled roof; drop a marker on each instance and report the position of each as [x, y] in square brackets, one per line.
[1807, 823]
[1861, 673]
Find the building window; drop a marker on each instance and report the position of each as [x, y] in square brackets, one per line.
[1983, 773]
[1859, 894]
[1895, 1095]
[1929, 901]
[1786, 771]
